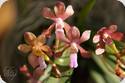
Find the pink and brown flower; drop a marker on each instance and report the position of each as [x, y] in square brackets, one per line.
[58, 16]
[73, 41]
[105, 36]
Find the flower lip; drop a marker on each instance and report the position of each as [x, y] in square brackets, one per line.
[59, 8]
[73, 60]
[106, 35]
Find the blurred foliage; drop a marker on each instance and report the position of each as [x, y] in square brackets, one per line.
[85, 12]
[98, 69]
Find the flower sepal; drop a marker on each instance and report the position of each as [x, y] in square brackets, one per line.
[112, 49]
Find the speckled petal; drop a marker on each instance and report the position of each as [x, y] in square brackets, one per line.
[59, 8]
[69, 12]
[29, 37]
[75, 32]
[47, 13]
[24, 48]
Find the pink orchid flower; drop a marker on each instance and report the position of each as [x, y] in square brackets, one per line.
[58, 17]
[73, 40]
[106, 36]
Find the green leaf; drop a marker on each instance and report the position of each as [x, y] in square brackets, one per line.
[109, 76]
[109, 64]
[109, 49]
[65, 78]
[22, 5]
[119, 45]
[66, 53]
[97, 76]
[67, 73]
[85, 11]
[46, 74]
[64, 59]
[52, 80]
[56, 80]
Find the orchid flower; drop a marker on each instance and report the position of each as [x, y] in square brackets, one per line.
[73, 40]
[38, 49]
[105, 36]
[59, 16]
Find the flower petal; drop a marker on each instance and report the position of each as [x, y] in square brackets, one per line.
[42, 63]
[67, 27]
[61, 36]
[41, 38]
[29, 37]
[102, 30]
[59, 8]
[47, 13]
[117, 36]
[96, 38]
[33, 60]
[113, 28]
[75, 32]
[85, 36]
[83, 52]
[69, 12]
[99, 51]
[24, 48]
[73, 60]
